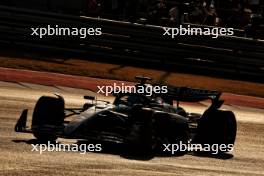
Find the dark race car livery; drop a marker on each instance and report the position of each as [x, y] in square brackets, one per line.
[135, 122]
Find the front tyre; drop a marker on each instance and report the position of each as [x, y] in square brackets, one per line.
[48, 117]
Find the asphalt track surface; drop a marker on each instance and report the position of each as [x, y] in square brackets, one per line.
[16, 157]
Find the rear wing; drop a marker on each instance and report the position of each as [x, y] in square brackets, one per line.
[187, 94]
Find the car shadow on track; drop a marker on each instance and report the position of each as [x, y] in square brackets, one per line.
[124, 153]
[222, 156]
[32, 141]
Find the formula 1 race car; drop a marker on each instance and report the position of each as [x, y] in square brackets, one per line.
[135, 122]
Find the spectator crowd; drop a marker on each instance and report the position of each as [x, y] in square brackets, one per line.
[239, 14]
[245, 15]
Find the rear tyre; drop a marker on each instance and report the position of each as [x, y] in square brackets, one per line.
[48, 117]
[217, 128]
